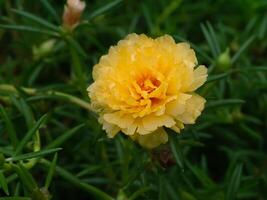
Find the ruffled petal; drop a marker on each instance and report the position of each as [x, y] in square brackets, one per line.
[193, 109]
[152, 122]
[177, 106]
[199, 77]
[119, 118]
[110, 129]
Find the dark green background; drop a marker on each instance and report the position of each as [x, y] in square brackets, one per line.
[221, 157]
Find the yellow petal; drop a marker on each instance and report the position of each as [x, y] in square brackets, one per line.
[177, 106]
[194, 107]
[119, 119]
[185, 54]
[178, 126]
[153, 139]
[130, 130]
[152, 122]
[199, 77]
[110, 129]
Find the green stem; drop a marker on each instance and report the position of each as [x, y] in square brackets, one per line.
[108, 171]
[32, 91]
[78, 74]
[77, 68]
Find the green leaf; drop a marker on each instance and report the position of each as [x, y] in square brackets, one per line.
[35, 73]
[176, 150]
[16, 102]
[29, 134]
[211, 39]
[28, 28]
[104, 9]
[191, 142]
[78, 69]
[22, 106]
[167, 11]
[187, 196]
[51, 172]
[36, 154]
[251, 133]
[76, 46]
[216, 77]
[224, 102]
[3, 183]
[147, 16]
[99, 194]
[36, 19]
[51, 10]
[171, 191]
[17, 189]
[233, 185]
[25, 177]
[214, 38]
[5, 151]
[255, 68]
[263, 28]
[27, 112]
[139, 192]
[11, 178]
[201, 176]
[10, 128]
[64, 137]
[133, 24]
[161, 188]
[242, 49]
[131, 177]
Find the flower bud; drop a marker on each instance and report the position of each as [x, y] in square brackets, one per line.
[121, 196]
[44, 49]
[72, 13]
[224, 61]
[41, 194]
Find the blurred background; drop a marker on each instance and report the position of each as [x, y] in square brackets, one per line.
[45, 69]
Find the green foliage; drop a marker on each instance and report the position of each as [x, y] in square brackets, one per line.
[51, 144]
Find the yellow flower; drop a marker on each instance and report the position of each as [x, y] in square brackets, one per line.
[145, 84]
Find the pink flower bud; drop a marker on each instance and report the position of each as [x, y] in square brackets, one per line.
[72, 13]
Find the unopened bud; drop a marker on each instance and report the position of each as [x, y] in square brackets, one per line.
[41, 194]
[224, 61]
[72, 13]
[121, 196]
[44, 49]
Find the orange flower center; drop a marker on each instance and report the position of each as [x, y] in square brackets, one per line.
[148, 83]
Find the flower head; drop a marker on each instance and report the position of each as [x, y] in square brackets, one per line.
[72, 13]
[143, 85]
